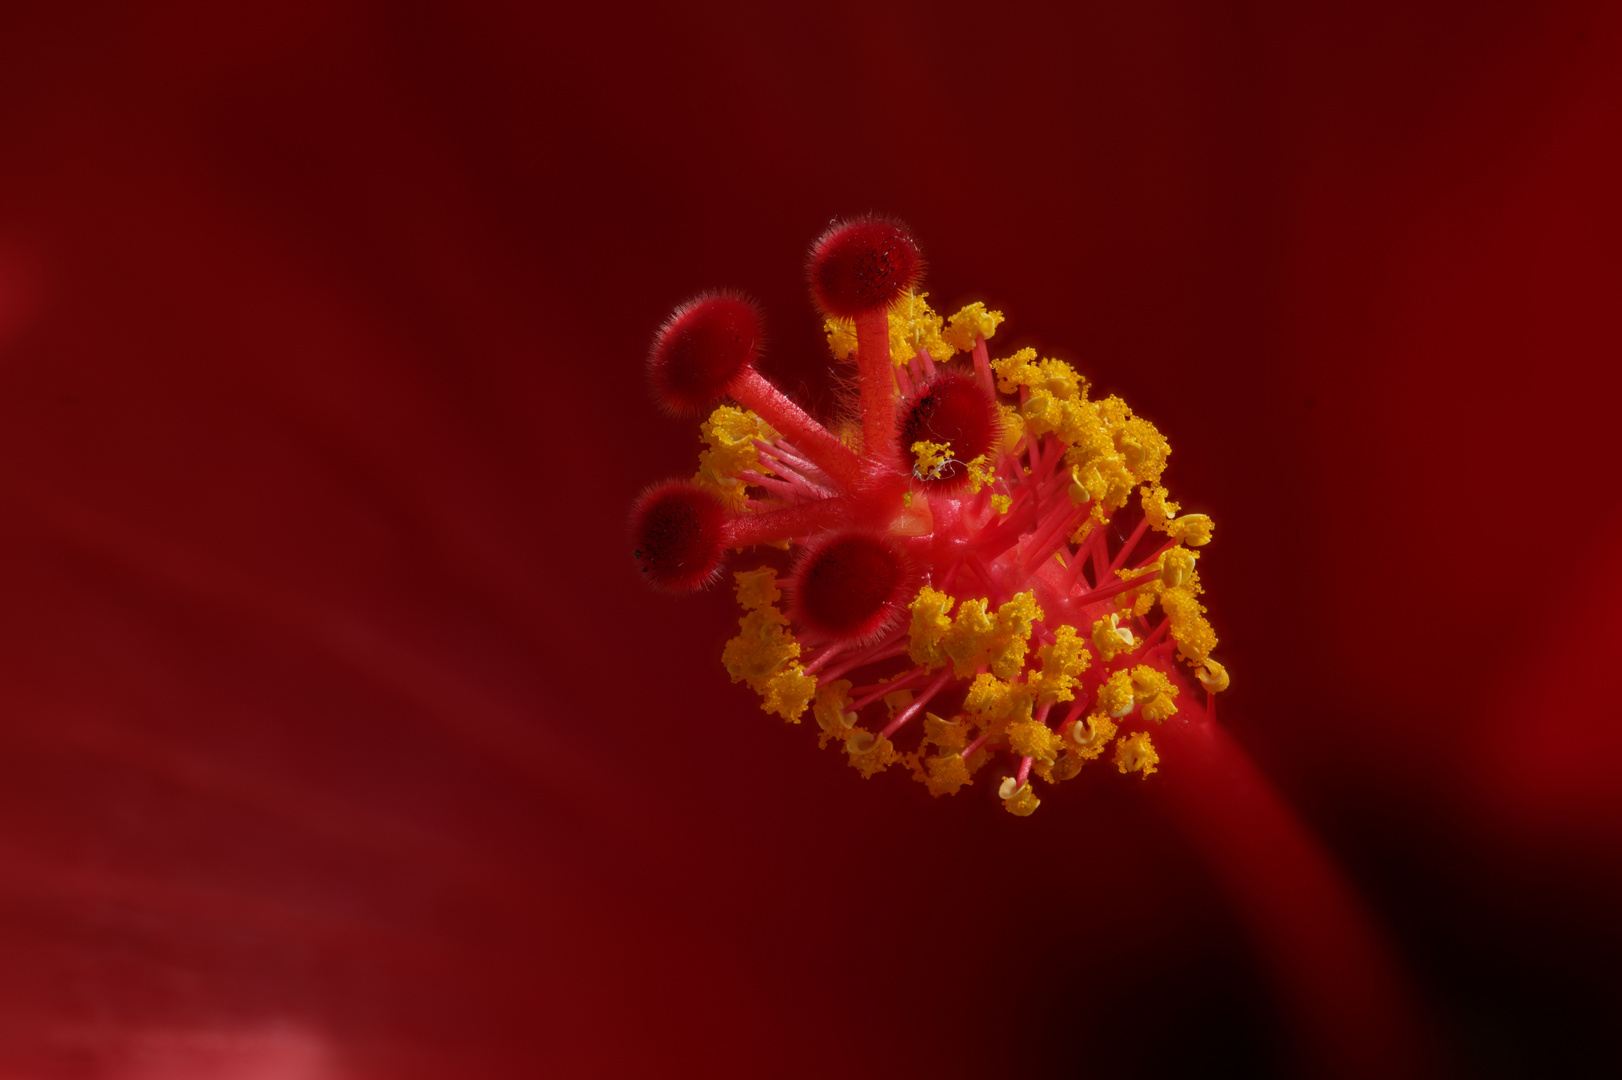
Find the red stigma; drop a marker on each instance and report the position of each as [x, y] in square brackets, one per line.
[679, 535]
[852, 587]
[860, 265]
[951, 408]
[704, 345]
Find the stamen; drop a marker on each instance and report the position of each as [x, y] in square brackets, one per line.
[917, 705]
[951, 484]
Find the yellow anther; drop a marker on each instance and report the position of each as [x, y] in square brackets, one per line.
[1109, 637]
[1018, 799]
[1138, 441]
[1177, 566]
[832, 709]
[1013, 428]
[1091, 737]
[763, 645]
[1001, 503]
[1061, 665]
[897, 700]
[1035, 407]
[1191, 529]
[870, 753]
[1034, 740]
[730, 435]
[1016, 371]
[1136, 754]
[913, 326]
[1158, 509]
[981, 473]
[1147, 683]
[929, 626]
[1153, 692]
[1078, 491]
[998, 642]
[1194, 636]
[945, 774]
[950, 734]
[788, 693]
[971, 322]
[841, 337]
[1115, 696]
[757, 588]
[931, 459]
[1213, 676]
[991, 699]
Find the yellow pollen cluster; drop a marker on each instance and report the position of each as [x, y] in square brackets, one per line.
[729, 435]
[999, 641]
[765, 654]
[930, 459]
[1194, 530]
[1110, 450]
[915, 327]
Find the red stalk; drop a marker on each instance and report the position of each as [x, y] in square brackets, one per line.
[873, 373]
[746, 530]
[816, 442]
[1330, 964]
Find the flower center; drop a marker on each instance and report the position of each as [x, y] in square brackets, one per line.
[976, 541]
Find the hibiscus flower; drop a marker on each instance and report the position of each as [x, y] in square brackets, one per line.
[339, 738]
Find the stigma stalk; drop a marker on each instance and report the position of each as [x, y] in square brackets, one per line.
[967, 547]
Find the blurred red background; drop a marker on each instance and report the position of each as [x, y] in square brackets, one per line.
[337, 738]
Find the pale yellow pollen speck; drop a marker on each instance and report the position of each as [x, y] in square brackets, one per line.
[972, 322]
[1136, 754]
